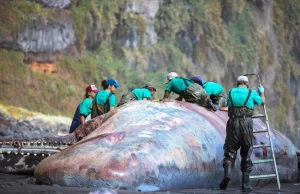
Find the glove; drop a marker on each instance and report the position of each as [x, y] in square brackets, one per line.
[157, 100]
[261, 89]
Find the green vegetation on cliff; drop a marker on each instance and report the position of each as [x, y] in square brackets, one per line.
[219, 39]
[100, 12]
[14, 13]
[230, 29]
[286, 15]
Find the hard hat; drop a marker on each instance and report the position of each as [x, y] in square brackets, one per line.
[171, 75]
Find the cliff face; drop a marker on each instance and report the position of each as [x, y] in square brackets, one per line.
[42, 36]
[80, 42]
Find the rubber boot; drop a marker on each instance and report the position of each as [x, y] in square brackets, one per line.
[226, 179]
[246, 182]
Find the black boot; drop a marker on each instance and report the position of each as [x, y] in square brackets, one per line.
[226, 179]
[246, 182]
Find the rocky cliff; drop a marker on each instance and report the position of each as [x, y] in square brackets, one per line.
[52, 49]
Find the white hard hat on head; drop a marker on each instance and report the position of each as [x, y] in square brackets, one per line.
[171, 75]
[242, 78]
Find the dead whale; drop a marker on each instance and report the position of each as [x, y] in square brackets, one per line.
[150, 146]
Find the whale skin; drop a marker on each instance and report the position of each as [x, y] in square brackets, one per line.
[152, 146]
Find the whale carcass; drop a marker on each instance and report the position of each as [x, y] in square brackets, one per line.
[150, 146]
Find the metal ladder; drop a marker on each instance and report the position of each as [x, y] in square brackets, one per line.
[267, 130]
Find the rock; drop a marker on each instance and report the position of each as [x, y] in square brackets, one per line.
[103, 191]
[22, 183]
[147, 10]
[30, 128]
[5, 122]
[44, 38]
[61, 4]
[47, 35]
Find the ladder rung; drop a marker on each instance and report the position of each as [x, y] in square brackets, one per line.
[262, 146]
[264, 176]
[262, 161]
[258, 116]
[261, 131]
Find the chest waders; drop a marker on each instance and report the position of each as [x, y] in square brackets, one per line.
[219, 99]
[76, 121]
[99, 109]
[194, 93]
[239, 133]
[127, 98]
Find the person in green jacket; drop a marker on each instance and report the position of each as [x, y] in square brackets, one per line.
[145, 93]
[187, 90]
[214, 90]
[105, 100]
[83, 109]
[239, 130]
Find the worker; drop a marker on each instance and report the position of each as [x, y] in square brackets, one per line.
[105, 100]
[214, 91]
[83, 109]
[187, 90]
[239, 129]
[145, 93]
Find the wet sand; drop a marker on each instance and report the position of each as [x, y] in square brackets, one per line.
[13, 183]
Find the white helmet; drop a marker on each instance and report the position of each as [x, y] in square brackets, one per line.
[242, 78]
[171, 75]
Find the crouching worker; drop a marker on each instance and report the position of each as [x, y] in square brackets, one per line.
[239, 129]
[145, 93]
[83, 109]
[214, 91]
[105, 100]
[187, 90]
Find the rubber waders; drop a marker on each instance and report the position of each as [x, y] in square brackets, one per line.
[211, 105]
[246, 182]
[226, 179]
